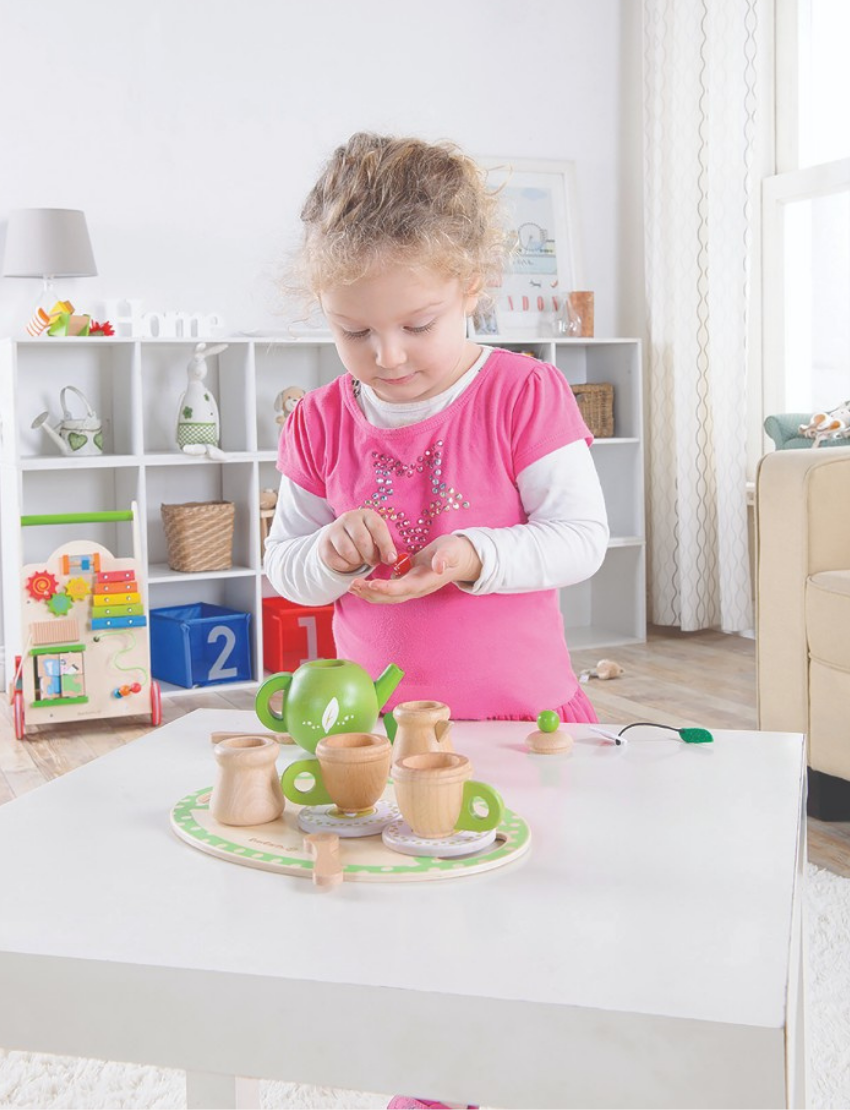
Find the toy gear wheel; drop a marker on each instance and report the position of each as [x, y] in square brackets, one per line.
[60, 604]
[77, 588]
[42, 585]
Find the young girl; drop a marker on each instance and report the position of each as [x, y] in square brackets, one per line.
[471, 461]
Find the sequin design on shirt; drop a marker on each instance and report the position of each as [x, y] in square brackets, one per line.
[414, 534]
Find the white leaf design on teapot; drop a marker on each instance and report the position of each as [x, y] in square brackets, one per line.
[330, 715]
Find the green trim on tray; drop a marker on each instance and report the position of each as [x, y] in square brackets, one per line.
[512, 827]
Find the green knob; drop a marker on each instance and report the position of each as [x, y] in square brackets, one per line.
[548, 720]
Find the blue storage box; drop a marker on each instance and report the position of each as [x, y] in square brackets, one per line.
[200, 645]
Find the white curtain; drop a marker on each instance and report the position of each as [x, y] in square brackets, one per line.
[700, 118]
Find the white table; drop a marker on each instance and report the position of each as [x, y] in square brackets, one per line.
[645, 952]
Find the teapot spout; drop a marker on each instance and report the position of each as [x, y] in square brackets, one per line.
[387, 682]
[41, 422]
[443, 736]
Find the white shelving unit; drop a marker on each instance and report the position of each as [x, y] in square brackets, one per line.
[610, 608]
[135, 386]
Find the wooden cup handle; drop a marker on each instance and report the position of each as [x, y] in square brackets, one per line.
[324, 849]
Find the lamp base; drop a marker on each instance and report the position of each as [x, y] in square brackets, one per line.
[40, 317]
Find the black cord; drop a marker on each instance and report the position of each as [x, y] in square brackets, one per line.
[645, 724]
[689, 735]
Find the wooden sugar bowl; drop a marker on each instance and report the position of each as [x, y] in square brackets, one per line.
[247, 789]
[549, 739]
[422, 726]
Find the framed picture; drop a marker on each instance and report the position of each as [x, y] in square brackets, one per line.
[539, 199]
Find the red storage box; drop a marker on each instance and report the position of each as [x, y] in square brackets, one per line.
[295, 634]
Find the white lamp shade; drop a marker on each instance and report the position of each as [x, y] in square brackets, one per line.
[48, 242]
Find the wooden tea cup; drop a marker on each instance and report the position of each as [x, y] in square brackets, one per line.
[350, 771]
[246, 790]
[436, 795]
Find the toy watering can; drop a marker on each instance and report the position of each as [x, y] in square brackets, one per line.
[323, 697]
[74, 435]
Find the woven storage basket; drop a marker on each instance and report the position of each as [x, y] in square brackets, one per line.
[596, 403]
[199, 535]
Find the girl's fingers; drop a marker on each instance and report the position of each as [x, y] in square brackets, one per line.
[364, 545]
[346, 548]
[380, 536]
[334, 561]
[420, 582]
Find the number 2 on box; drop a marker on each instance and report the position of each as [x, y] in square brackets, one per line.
[218, 669]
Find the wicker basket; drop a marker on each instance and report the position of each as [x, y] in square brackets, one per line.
[199, 535]
[596, 403]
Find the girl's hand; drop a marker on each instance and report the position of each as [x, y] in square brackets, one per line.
[357, 537]
[447, 559]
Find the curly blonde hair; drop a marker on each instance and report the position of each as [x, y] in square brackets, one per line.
[401, 200]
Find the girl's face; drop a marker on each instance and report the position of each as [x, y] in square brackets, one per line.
[402, 331]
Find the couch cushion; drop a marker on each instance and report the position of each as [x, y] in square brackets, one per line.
[828, 617]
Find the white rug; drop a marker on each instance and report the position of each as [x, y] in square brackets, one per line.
[39, 1081]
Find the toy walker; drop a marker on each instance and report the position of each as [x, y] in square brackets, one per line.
[86, 649]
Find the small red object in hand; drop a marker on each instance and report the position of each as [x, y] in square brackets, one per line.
[402, 565]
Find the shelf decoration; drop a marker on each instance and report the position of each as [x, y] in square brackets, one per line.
[286, 401]
[43, 318]
[539, 200]
[199, 535]
[81, 435]
[130, 319]
[596, 404]
[69, 323]
[198, 425]
[268, 504]
[61, 320]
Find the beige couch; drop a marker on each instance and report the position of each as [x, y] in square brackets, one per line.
[802, 524]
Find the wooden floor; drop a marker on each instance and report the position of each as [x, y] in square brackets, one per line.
[675, 678]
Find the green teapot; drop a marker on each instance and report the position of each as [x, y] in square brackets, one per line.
[325, 696]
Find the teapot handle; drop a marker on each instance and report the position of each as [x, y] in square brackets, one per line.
[262, 705]
[65, 410]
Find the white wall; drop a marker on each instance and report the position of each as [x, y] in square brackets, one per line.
[189, 131]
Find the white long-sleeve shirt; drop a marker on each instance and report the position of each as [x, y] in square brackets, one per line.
[564, 541]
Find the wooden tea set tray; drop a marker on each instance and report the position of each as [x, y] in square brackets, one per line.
[279, 846]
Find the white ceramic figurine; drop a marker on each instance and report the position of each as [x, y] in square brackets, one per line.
[197, 415]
